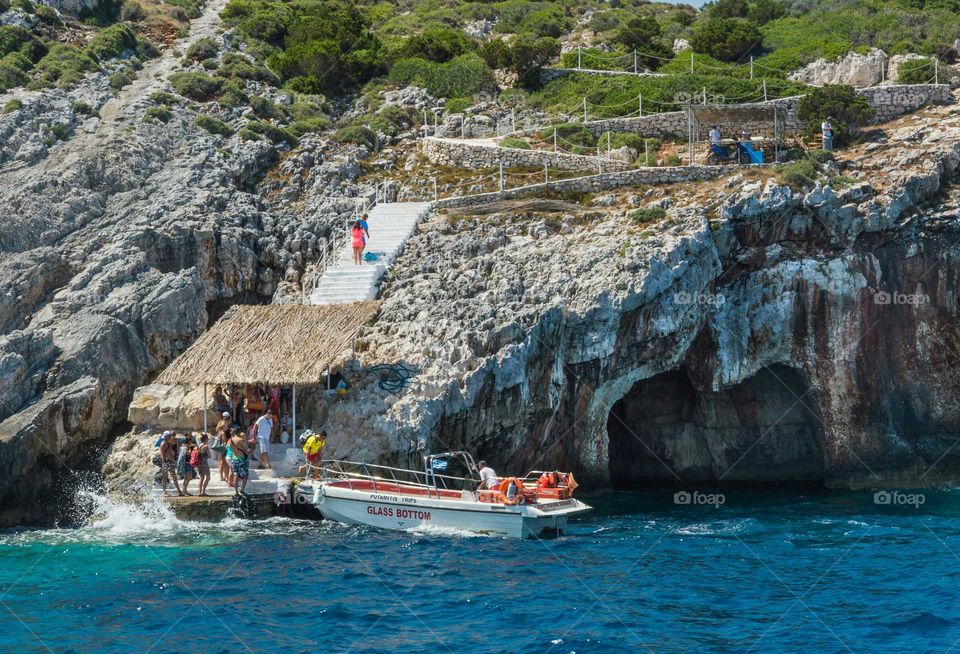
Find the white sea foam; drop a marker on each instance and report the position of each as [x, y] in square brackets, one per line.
[436, 530]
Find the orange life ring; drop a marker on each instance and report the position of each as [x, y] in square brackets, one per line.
[504, 485]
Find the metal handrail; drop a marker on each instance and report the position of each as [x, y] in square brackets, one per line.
[335, 470]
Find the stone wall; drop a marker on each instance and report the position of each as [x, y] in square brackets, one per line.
[464, 154]
[596, 183]
[888, 102]
[896, 100]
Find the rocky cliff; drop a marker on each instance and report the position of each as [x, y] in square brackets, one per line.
[759, 334]
[752, 332]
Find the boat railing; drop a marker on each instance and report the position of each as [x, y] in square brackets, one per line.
[384, 478]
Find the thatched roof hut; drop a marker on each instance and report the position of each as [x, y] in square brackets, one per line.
[272, 344]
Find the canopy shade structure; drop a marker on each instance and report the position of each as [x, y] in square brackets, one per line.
[286, 344]
[763, 117]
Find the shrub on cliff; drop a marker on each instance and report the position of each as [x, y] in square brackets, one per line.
[161, 114]
[213, 125]
[64, 65]
[916, 71]
[16, 39]
[646, 215]
[112, 41]
[203, 49]
[726, 39]
[196, 86]
[464, 75]
[439, 44]
[11, 76]
[357, 135]
[847, 109]
[518, 144]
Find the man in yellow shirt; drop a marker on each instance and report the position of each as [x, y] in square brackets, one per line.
[313, 449]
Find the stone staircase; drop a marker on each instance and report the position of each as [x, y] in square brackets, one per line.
[391, 224]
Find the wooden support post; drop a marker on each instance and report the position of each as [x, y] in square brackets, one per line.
[751, 66]
[764, 90]
[204, 407]
[501, 175]
[294, 437]
[640, 99]
[608, 145]
[691, 62]
[584, 108]
[554, 138]
[634, 61]
[579, 54]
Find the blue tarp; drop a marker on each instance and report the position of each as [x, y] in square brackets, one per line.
[754, 156]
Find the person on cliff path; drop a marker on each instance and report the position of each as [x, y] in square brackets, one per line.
[826, 129]
[200, 460]
[240, 463]
[264, 426]
[366, 228]
[357, 242]
[168, 463]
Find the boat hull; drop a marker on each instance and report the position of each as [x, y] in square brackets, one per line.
[401, 512]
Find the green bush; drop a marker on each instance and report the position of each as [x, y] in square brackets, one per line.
[132, 11]
[234, 65]
[457, 105]
[17, 39]
[146, 49]
[11, 77]
[60, 131]
[528, 55]
[572, 137]
[464, 75]
[518, 144]
[121, 78]
[247, 134]
[272, 132]
[799, 174]
[203, 49]
[233, 96]
[64, 65]
[161, 114]
[916, 71]
[726, 39]
[326, 42]
[357, 135]
[112, 41]
[846, 109]
[646, 215]
[263, 108]
[19, 60]
[196, 86]
[496, 52]
[671, 160]
[48, 15]
[84, 109]
[437, 44]
[213, 125]
[392, 120]
[13, 105]
[162, 97]
[300, 127]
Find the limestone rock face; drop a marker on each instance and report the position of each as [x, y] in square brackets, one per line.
[120, 244]
[853, 69]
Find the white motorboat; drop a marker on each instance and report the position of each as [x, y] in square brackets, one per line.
[394, 498]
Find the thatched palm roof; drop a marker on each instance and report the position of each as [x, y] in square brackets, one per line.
[271, 344]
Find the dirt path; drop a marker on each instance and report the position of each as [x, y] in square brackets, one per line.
[117, 112]
[151, 77]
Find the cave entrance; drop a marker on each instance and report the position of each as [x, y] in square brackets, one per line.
[753, 433]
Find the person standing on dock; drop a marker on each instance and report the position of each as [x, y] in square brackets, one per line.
[220, 441]
[200, 460]
[168, 463]
[264, 431]
[240, 461]
[313, 449]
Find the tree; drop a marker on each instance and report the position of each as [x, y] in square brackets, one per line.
[438, 44]
[496, 52]
[727, 39]
[529, 55]
[638, 32]
[846, 109]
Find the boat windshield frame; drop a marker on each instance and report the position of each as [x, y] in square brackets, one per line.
[392, 479]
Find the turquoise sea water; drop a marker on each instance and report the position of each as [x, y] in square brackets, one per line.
[785, 572]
